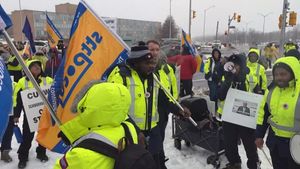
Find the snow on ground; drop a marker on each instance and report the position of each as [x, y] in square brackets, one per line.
[189, 157]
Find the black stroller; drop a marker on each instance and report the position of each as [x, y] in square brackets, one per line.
[207, 135]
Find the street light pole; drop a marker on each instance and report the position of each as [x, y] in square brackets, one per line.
[21, 18]
[264, 15]
[204, 20]
[170, 30]
[190, 18]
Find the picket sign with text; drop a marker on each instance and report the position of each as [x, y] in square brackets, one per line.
[33, 106]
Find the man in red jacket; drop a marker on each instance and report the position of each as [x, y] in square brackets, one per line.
[188, 68]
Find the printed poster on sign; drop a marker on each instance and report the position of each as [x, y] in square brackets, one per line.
[241, 108]
[33, 106]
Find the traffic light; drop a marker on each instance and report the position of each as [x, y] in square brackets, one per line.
[280, 21]
[194, 14]
[293, 19]
[238, 18]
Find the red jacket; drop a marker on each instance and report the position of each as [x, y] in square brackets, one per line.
[188, 65]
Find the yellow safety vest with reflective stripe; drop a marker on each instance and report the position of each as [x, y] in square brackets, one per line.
[258, 72]
[139, 98]
[80, 158]
[13, 68]
[168, 79]
[24, 84]
[283, 103]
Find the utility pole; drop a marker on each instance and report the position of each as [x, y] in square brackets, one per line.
[170, 30]
[283, 26]
[21, 19]
[190, 18]
[217, 30]
[204, 20]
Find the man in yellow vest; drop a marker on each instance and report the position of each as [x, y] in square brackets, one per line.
[166, 74]
[257, 71]
[137, 74]
[24, 83]
[99, 118]
[280, 113]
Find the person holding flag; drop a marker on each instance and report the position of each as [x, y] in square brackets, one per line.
[188, 68]
[137, 74]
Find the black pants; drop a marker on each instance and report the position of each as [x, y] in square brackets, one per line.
[186, 87]
[26, 144]
[162, 123]
[282, 162]
[232, 133]
[6, 141]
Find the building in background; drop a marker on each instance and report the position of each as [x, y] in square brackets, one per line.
[129, 30]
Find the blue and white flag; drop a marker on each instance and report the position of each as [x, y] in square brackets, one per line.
[5, 21]
[6, 100]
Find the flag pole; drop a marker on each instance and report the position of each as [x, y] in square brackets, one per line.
[30, 76]
[173, 99]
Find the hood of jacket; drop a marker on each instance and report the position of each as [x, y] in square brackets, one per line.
[293, 64]
[103, 105]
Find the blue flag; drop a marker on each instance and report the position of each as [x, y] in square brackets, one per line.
[6, 92]
[5, 21]
[27, 31]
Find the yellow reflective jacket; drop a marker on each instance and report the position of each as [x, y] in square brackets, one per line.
[11, 67]
[139, 97]
[259, 72]
[283, 104]
[98, 115]
[168, 79]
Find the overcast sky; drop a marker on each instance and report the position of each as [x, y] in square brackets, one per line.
[158, 10]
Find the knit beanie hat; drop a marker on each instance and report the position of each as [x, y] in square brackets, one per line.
[139, 53]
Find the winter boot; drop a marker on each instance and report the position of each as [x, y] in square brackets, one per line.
[233, 166]
[42, 157]
[5, 156]
[22, 164]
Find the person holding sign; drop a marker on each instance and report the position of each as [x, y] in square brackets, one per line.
[280, 112]
[35, 67]
[236, 76]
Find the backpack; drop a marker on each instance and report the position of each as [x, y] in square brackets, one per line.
[133, 156]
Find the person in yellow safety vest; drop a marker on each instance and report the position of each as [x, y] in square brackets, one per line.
[289, 46]
[256, 70]
[213, 69]
[137, 74]
[24, 83]
[99, 118]
[13, 66]
[271, 52]
[280, 113]
[237, 77]
[42, 58]
[166, 74]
